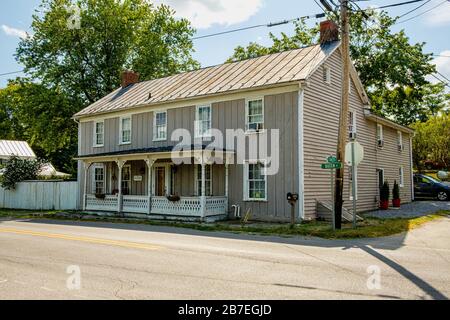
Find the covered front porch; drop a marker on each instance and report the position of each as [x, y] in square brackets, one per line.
[192, 185]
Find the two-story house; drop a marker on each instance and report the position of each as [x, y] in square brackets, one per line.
[127, 161]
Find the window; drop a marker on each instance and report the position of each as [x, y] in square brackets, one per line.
[126, 179]
[208, 179]
[203, 121]
[159, 126]
[350, 180]
[380, 135]
[99, 133]
[99, 179]
[326, 75]
[400, 140]
[351, 125]
[380, 173]
[255, 181]
[125, 130]
[401, 177]
[255, 115]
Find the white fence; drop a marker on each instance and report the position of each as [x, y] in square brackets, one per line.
[41, 195]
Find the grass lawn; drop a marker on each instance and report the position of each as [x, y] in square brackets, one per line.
[369, 228]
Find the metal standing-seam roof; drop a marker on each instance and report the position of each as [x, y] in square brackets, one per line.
[16, 148]
[284, 67]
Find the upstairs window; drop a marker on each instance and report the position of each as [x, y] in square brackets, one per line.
[255, 181]
[255, 115]
[326, 76]
[99, 133]
[159, 126]
[399, 140]
[203, 121]
[351, 125]
[380, 141]
[125, 130]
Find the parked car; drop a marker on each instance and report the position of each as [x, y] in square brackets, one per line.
[428, 187]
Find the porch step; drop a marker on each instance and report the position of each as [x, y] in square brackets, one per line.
[325, 208]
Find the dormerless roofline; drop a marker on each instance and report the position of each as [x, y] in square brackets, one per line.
[382, 120]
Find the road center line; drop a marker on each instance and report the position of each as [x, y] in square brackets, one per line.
[126, 244]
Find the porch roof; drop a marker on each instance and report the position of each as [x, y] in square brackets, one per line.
[186, 151]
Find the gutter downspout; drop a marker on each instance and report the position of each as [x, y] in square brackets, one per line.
[411, 165]
[301, 159]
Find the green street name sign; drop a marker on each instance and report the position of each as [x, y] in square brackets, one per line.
[336, 165]
[332, 159]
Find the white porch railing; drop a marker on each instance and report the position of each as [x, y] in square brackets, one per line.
[109, 203]
[135, 204]
[186, 206]
[216, 205]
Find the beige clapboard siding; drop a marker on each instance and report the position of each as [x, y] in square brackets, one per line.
[321, 110]
[280, 112]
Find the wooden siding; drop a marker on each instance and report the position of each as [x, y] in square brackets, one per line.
[321, 118]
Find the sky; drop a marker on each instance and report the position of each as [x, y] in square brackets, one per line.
[211, 16]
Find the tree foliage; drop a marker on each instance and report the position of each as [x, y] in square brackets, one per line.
[431, 141]
[393, 71]
[17, 170]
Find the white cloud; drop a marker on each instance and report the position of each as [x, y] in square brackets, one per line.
[440, 16]
[205, 13]
[10, 31]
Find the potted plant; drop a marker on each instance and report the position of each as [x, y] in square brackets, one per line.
[173, 197]
[384, 196]
[396, 195]
[100, 195]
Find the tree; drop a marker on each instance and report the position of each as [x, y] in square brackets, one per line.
[17, 170]
[85, 61]
[431, 141]
[41, 116]
[393, 71]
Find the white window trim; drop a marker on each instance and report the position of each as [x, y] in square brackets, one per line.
[326, 76]
[355, 129]
[121, 142]
[196, 127]
[381, 134]
[197, 191]
[154, 125]
[246, 182]
[382, 170]
[93, 177]
[400, 140]
[95, 134]
[401, 178]
[247, 103]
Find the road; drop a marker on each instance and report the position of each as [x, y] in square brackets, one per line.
[45, 259]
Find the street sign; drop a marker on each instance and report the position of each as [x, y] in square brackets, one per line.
[332, 159]
[358, 150]
[327, 165]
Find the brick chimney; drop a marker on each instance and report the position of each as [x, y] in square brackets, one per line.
[129, 77]
[328, 31]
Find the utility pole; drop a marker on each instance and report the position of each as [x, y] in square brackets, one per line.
[343, 117]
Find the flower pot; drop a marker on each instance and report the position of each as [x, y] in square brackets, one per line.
[384, 204]
[396, 203]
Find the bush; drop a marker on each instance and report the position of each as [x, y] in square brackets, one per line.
[384, 193]
[17, 170]
[396, 191]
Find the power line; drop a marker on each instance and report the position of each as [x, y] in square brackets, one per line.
[397, 4]
[8, 73]
[412, 10]
[443, 76]
[422, 13]
[268, 25]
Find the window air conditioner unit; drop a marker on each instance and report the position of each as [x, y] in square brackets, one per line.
[352, 135]
[380, 143]
[400, 147]
[255, 126]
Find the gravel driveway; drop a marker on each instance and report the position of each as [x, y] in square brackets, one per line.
[413, 209]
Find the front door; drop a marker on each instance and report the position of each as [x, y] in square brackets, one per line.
[160, 182]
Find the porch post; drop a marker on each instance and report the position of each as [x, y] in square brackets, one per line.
[203, 197]
[149, 163]
[120, 164]
[87, 165]
[226, 179]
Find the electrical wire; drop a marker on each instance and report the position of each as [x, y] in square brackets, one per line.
[422, 13]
